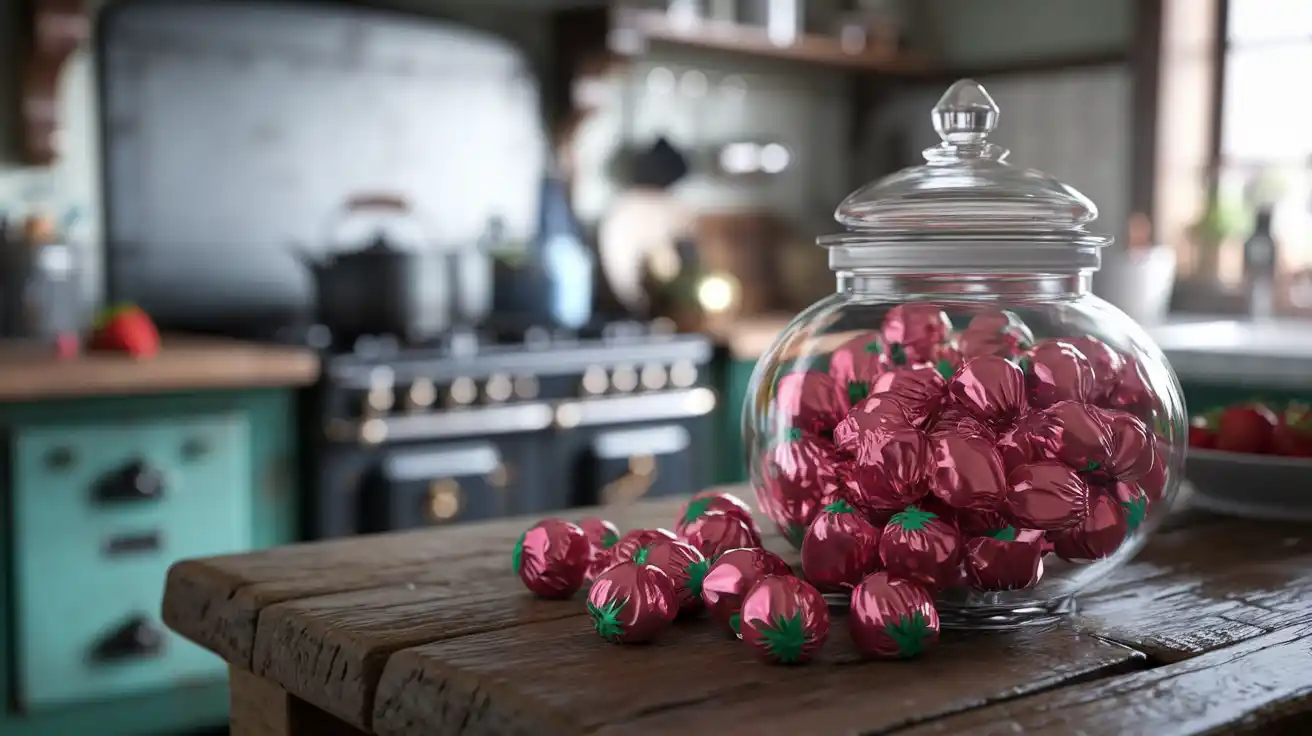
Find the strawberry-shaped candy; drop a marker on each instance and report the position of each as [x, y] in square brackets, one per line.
[855, 364]
[716, 532]
[125, 328]
[1056, 371]
[624, 549]
[1075, 434]
[1106, 364]
[1132, 394]
[990, 388]
[1046, 495]
[1024, 442]
[632, 603]
[552, 558]
[920, 389]
[784, 619]
[892, 618]
[1005, 560]
[729, 579]
[913, 332]
[713, 500]
[841, 547]
[966, 472]
[1130, 446]
[602, 538]
[955, 420]
[919, 546]
[810, 400]
[995, 332]
[1134, 500]
[870, 423]
[1097, 536]
[795, 476]
[685, 566]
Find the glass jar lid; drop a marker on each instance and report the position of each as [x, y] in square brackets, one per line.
[966, 191]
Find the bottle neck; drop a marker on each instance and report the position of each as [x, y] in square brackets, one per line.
[984, 287]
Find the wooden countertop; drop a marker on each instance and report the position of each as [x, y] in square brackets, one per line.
[29, 373]
[1206, 631]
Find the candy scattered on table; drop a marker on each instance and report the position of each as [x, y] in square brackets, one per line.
[632, 602]
[785, 619]
[841, 547]
[602, 538]
[552, 558]
[685, 566]
[729, 579]
[892, 618]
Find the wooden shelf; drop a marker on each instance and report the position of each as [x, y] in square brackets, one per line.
[654, 26]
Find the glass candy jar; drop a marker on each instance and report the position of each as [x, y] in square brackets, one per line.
[1013, 437]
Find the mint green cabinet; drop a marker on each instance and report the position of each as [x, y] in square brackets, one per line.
[104, 494]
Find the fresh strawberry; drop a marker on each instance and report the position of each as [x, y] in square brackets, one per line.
[1202, 432]
[1292, 436]
[126, 329]
[1245, 428]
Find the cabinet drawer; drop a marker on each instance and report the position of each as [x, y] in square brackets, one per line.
[100, 512]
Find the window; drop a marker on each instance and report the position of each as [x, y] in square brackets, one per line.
[1265, 138]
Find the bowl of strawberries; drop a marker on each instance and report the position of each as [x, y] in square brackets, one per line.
[1253, 459]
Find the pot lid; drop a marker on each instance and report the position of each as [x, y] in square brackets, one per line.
[966, 190]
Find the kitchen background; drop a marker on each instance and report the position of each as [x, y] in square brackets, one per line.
[421, 262]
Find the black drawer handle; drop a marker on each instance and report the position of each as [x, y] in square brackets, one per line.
[136, 481]
[138, 638]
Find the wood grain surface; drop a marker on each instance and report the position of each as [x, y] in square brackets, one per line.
[184, 363]
[1209, 629]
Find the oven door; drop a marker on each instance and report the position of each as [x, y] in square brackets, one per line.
[447, 484]
[622, 465]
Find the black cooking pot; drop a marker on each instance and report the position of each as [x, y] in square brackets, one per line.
[382, 289]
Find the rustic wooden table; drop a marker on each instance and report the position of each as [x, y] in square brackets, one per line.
[1209, 630]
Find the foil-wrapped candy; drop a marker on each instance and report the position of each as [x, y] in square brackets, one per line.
[785, 619]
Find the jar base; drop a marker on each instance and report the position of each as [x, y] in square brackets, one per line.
[987, 618]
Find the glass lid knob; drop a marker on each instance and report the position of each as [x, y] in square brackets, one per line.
[965, 113]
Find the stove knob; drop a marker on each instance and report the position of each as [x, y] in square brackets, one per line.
[443, 500]
[526, 387]
[624, 379]
[463, 391]
[498, 388]
[595, 380]
[653, 377]
[683, 374]
[379, 400]
[421, 395]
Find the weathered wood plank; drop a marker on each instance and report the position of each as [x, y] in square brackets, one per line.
[258, 707]
[1193, 591]
[1263, 685]
[559, 677]
[216, 601]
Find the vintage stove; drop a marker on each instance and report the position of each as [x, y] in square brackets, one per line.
[504, 422]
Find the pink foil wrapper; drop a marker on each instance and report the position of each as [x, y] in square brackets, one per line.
[892, 470]
[1131, 446]
[880, 415]
[552, 558]
[716, 532]
[714, 500]
[785, 619]
[990, 388]
[996, 332]
[979, 523]
[624, 549]
[967, 472]
[1106, 364]
[1097, 536]
[1046, 495]
[856, 364]
[1005, 562]
[602, 538]
[891, 618]
[1153, 482]
[841, 547]
[1134, 501]
[811, 401]
[1055, 371]
[919, 546]
[920, 389]
[913, 332]
[796, 477]
[631, 603]
[729, 579]
[1132, 394]
[1075, 434]
[954, 420]
[1024, 442]
[685, 566]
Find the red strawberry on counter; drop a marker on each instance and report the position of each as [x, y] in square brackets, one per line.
[1245, 428]
[126, 329]
[1292, 435]
[1202, 432]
